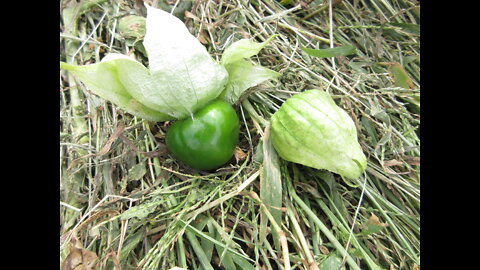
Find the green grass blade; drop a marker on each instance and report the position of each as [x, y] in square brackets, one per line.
[332, 52]
[326, 231]
[194, 231]
[198, 249]
[226, 260]
[270, 187]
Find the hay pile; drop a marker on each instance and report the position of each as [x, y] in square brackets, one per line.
[126, 204]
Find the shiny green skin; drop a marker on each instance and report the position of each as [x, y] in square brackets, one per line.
[208, 140]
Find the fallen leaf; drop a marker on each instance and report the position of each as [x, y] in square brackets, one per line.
[129, 143]
[373, 225]
[112, 138]
[373, 219]
[137, 171]
[392, 162]
[151, 154]
[95, 216]
[190, 15]
[203, 39]
[239, 155]
[156, 153]
[79, 258]
[324, 250]
[399, 75]
[413, 160]
[75, 161]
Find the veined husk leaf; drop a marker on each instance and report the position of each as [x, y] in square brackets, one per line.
[242, 74]
[310, 129]
[181, 78]
[242, 49]
[184, 76]
[103, 79]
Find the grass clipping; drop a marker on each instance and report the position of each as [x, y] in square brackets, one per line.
[128, 205]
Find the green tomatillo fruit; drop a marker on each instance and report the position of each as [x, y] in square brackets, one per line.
[207, 140]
